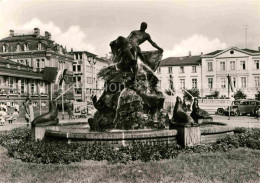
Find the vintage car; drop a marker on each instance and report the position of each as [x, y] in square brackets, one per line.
[248, 107]
[233, 108]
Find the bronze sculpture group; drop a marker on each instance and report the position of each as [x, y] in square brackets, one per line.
[131, 98]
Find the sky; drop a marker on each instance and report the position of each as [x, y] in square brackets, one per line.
[177, 26]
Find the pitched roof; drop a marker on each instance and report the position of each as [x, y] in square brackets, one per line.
[181, 61]
[214, 52]
[251, 51]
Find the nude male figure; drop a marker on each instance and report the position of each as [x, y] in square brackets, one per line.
[138, 37]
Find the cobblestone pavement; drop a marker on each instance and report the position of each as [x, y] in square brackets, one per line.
[236, 121]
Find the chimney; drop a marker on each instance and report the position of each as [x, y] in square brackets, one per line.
[201, 53]
[47, 35]
[37, 32]
[11, 33]
[189, 53]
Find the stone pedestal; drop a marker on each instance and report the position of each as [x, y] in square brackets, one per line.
[39, 132]
[188, 136]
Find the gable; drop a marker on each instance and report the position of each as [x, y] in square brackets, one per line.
[232, 53]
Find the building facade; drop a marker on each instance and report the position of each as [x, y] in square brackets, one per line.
[86, 66]
[17, 82]
[178, 73]
[35, 52]
[242, 65]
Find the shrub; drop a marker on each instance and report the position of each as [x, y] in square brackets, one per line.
[20, 146]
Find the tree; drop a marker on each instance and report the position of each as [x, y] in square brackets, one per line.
[239, 95]
[194, 92]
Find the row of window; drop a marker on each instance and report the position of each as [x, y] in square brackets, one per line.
[182, 83]
[181, 70]
[233, 65]
[243, 82]
[23, 86]
[20, 47]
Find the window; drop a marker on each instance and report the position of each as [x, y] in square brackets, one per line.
[181, 69]
[18, 47]
[27, 62]
[182, 83]
[79, 68]
[243, 82]
[42, 87]
[79, 79]
[194, 83]
[194, 69]
[171, 83]
[210, 83]
[232, 65]
[33, 88]
[159, 70]
[23, 85]
[89, 80]
[76, 55]
[38, 63]
[234, 82]
[74, 68]
[223, 82]
[257, 81]
[170, 70]
[43, 63]
[210, 68]
[222, 66]
[25, 47]
[4, 48]
[74, 79]
[257, 64]
[80, 56]
[243, 65]
[39, 46]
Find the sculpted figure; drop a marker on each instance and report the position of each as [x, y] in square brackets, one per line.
[50, 118]
[198, 113]
[179, 115]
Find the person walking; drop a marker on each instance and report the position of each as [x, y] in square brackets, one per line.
[28, 108]
[70, 110]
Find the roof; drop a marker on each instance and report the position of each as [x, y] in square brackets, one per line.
[181, 61]
[214, 52]
[247, 51]
[251, 51]
[88, 53]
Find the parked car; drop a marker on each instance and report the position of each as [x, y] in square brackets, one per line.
[248, 107]
[233, 108]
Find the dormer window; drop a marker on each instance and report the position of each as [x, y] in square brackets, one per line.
[4, 48]
[25, 47]
[18, 47]
[39, 46]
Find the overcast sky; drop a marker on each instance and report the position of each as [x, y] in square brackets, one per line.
[177, 26]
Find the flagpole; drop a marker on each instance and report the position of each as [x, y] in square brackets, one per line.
[62, 99]
[229, 107]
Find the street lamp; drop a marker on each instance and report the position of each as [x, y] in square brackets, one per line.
[92, 62]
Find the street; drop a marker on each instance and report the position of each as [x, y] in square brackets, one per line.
[235, 121]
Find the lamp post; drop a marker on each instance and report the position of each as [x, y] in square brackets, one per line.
[92, 62]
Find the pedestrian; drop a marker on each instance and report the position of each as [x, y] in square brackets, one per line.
[2, 116]
[257, 114]
[28, 108]
[70, 110]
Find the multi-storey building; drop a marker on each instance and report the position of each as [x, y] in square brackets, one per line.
[16, 82]
[243, 66]
[35, 52]
[178, 73]
[86, 65]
